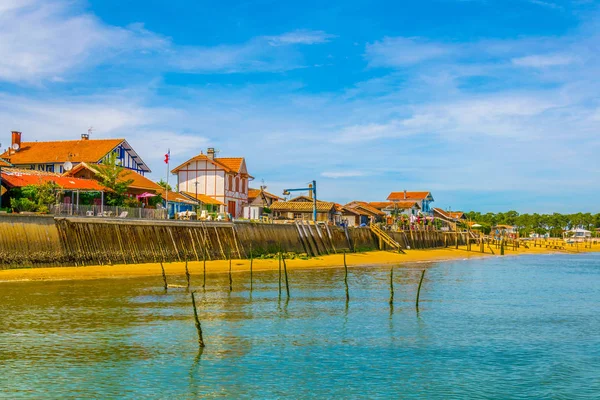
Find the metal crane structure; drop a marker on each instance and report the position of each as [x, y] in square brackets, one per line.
[311, 188]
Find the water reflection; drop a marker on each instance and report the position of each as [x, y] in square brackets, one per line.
[486, 328]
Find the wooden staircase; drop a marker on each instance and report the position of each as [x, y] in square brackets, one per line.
[385, 238]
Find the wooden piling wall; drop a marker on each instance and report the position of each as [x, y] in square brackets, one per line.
[44, 241]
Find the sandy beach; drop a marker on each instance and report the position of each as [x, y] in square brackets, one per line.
[222, 266]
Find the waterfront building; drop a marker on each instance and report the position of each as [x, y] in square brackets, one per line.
[455, 216]
[363, 213]
[423, 199]
[224, 179]
[258, 200]
[397, 207]
[301, 208]
[51, 156]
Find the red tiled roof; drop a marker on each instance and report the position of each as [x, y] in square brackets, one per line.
[228, 164]
[139, 181]
[396, 196]
[449, 214]
[404, 205]
[13, 177]
[177, 197]
[254, 193]
[380, 205]
[365, 206]
[232, 163]
[76, 151]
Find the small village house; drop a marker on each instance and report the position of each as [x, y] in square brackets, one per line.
[51, 156]
[391, 208]
[423, 199]
[301, 208]
[455, 216]
[224, 179]
[67, 187]
[357, 213]
[258, 200]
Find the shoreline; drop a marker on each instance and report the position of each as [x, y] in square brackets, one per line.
[372, 258]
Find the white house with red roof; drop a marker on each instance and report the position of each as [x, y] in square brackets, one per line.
[423, 199]
[224, 179]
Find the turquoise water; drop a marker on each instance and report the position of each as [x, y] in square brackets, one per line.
[514, 327]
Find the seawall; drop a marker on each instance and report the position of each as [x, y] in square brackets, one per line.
[27, 241]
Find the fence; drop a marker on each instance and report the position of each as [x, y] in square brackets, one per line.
[64, 209]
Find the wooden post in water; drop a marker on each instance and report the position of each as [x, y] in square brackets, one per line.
[198, 326]
[502, 247]
[419, 289]
[187, 274]
[287, 285]
[392, 287]
[204, 267]
[346, 278]
[279, 256]
[230, 278]
[164, 276]
[251, 262]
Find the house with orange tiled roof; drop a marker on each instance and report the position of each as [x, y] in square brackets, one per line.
[423, 199]
[301, 208]
[224, 179]
[51, 156]
[258, 200]
[139, 183]
[362, 212]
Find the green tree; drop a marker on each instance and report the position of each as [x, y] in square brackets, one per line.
[113, 177]
[165, 185]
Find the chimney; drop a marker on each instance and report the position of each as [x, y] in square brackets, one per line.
[211, 153]
[85, 136]
[16, 138]
[310, 192]
[404, 194]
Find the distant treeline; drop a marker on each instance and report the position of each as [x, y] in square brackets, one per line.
[538, 223]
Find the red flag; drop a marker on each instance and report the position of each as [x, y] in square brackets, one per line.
[167, 157]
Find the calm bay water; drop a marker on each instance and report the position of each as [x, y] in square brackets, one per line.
[514, 327]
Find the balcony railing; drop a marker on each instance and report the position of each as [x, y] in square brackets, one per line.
[64, 209]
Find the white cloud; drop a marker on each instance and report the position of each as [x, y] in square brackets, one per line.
[299, 37]
[401, 51]
[51, 41]
[42, 40]
[542, 61]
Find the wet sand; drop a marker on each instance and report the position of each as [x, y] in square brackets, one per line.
[222, 266]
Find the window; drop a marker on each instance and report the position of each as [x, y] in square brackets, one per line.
[50, 168]
[243, 186]
[297, 215]
[230, 186]
[237, 184]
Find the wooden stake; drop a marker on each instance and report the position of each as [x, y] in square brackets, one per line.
[164, 276]
[279, 256]
[251, 262]
[198, 326]
[419, 290]
[204, 265]
[230, 278]
[346, 278]
[187, 274]
[287, 286]
[392, 287]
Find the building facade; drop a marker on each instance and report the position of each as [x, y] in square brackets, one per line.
[423, 199]
[223, 179]
[51, 156]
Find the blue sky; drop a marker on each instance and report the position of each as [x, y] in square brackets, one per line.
[489, 104]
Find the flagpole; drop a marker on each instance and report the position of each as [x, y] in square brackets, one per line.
[167, 185]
